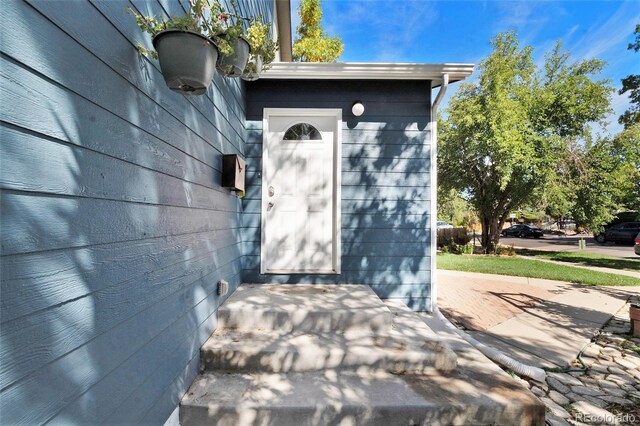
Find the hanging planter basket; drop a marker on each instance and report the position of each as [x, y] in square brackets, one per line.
[187, 60]
[234, 64]
[253, 69]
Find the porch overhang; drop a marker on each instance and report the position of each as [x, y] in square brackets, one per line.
[368, 71]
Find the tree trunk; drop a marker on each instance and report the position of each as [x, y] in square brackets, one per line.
[487, 234]
[491, 228]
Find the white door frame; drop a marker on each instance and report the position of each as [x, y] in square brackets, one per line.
[336, 194]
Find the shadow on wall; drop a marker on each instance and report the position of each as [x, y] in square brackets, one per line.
[114, 227]
[385, 228]
[385, 204]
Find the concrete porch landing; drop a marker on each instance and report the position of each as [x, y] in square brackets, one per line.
[326, 354]
[304, 307]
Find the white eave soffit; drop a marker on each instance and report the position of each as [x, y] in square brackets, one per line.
[367, 71]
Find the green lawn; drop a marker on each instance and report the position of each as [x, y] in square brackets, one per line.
[520, 267]
[586, 259]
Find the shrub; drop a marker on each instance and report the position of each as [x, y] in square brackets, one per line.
[466, 249]
[458, 248]
[505, 250]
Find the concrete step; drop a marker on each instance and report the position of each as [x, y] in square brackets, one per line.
[356, 398]
[319, 355]
[277, 351]
[304, 307]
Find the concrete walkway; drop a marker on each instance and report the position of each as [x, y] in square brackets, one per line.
[635, 274]
[571, 244]
[540, 322]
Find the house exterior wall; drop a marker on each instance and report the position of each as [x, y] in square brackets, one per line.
[385, 182]
[115, 229]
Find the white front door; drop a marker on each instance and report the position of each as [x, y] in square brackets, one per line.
[301, 191]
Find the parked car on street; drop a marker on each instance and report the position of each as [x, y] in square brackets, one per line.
[619, 233]
[636, 248]
[522, 231]
[623, 217]
[443, 225]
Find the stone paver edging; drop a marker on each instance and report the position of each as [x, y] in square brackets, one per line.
[607, 391]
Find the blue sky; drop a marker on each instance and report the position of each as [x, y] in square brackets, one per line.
[459, 31]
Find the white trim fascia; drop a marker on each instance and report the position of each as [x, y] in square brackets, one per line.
[337, 185]
[337, 193]
[265, 193]
[367, 71]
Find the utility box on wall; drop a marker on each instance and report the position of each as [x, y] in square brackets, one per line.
[233, 172]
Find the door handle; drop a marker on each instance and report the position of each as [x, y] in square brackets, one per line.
[269, 206]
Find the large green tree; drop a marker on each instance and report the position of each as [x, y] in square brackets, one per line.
[504, 135]
[313, 44]
[631, 84]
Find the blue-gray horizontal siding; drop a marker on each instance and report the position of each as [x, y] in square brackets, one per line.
[385, 182]
[114, 228]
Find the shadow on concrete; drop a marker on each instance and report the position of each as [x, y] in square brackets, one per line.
[552, 332]
[293, 380]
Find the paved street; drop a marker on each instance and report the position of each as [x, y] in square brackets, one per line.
[559, 243]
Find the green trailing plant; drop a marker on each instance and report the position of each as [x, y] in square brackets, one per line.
[228, 27]
[199, 18]
[263, 47]
[212, 20]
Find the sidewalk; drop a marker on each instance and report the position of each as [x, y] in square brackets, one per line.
[591, 268]
[546, 324]
[539, 322]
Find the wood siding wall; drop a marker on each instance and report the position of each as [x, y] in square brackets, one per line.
[115, 229]
[385, 182]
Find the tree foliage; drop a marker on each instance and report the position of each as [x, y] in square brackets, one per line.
[558, 196]
[631, 84]
[608, 179]
[313, 44]
[455, 209]
[503, 137]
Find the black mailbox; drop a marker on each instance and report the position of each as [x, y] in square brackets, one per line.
[233, 171]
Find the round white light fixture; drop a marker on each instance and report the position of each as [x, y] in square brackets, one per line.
[357, 109]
